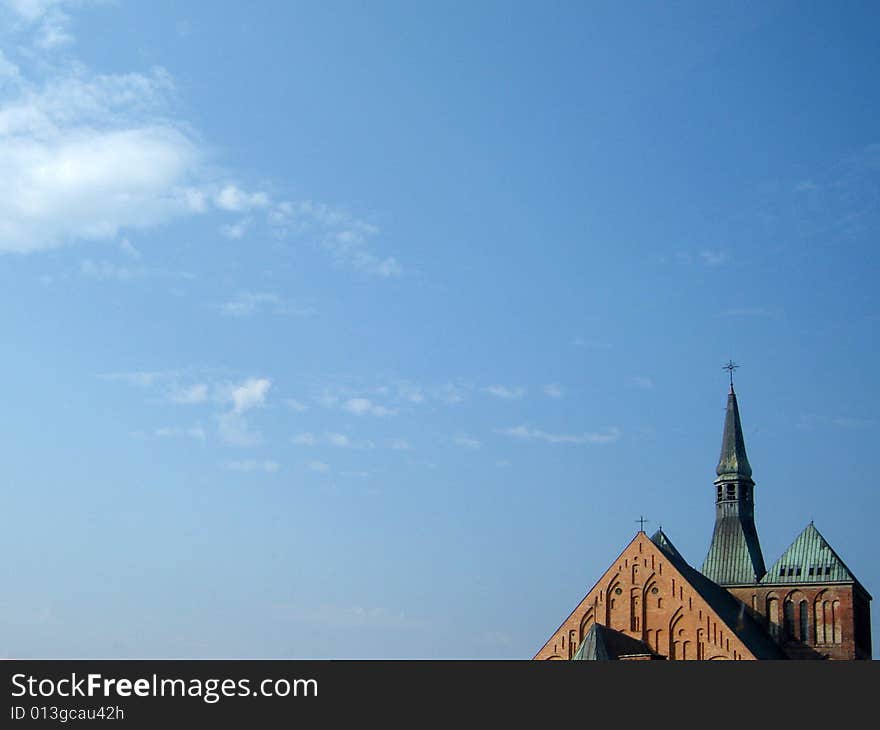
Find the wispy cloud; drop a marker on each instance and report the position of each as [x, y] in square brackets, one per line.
[233, 426]
[850, 422]
[338, 440]
[235, 231]
[235, 200]
[642, 381]
[399, 444]
[607, 436]
[364, 406]
[553, 390]
[814, 420]
[196, 433]
[249, 394]
[247, 303]
[107, 271]
[296, 405]
[189, 394]
[466, 442]
[140, 379]
[318, 466]
[345, 237]
[86, 155]
[502, 391]
[252, 465]
[712, 258]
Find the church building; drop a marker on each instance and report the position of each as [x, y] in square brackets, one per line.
[651, 604]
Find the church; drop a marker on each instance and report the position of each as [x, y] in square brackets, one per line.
[652, 605]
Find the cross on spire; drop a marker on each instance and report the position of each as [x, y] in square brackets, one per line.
[730, 367]
[642, 522]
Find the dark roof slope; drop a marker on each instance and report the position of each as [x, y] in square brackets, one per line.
[733, 462]
[728, 608]
[604, 644]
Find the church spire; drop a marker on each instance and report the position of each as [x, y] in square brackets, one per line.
[734, 556]
[733, 462]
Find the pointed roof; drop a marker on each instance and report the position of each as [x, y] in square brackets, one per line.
[733, 461]
[809, 559]
[734, 556]
[604, 644]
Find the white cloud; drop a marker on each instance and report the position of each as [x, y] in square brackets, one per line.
[84, 156]
[553, 391]
[128, 249]
[713, 258]
[189, 395]
[235, 231]
[141, 379]
[50, 20]
[466, 441]
[362, 406]
[296, 406]
[501, 391]
[849, 422]
[250, 394]
[338, 439]
[642, 381]
[251, 465]
[343, 236]
[411, 393]
[608, 436]
[176, 432]
[400, 445]
[319, 466]
[235, 200]
[247, 303]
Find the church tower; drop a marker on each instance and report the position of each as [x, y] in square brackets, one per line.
[734, 556]
[651, 604]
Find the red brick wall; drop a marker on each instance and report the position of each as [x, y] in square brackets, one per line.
[642, 594]
[836, 607]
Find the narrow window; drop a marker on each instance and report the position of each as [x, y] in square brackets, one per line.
[788, 619]
[802, 614]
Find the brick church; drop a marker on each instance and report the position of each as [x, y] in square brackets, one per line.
[651, 604]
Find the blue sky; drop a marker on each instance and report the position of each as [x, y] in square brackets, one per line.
[369, 329]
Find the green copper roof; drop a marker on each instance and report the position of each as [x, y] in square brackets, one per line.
[809, 559]
[733, 461]
[734, 556]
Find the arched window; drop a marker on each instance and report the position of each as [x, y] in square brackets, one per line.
[804, 632]
[827, 618]
[835, 621]
[773, 616]
[788, 619]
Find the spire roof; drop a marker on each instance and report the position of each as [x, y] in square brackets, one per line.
[733, 461]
